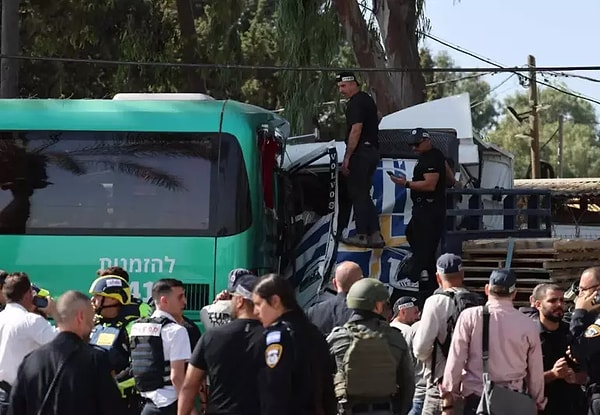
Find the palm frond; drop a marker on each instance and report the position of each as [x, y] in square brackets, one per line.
[157, 148]
[149, 174]
[52, 139]
[66, 162]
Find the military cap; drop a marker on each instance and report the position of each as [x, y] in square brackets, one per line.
[365, 293]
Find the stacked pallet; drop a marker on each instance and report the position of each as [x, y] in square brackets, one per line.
[535, 261]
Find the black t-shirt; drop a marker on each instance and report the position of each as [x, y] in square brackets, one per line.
[432, 161]
[563, 398]
[232, 356]
[362, 109]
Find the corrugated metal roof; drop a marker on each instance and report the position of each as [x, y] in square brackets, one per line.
[563, 187]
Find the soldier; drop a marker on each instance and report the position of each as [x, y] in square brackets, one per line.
[375, 372]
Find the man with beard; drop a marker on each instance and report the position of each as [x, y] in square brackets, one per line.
[561, 375]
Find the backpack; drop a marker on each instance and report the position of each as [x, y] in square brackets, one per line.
[368, 368]
[462, 300]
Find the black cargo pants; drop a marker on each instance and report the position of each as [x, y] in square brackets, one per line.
[423, 233]
[363, 164]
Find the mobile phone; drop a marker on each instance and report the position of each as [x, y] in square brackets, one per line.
[394, 175]
[40, 302]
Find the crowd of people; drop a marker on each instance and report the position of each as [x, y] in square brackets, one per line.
[354, 353]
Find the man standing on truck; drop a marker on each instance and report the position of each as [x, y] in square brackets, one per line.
[428, 194]
[360, 160]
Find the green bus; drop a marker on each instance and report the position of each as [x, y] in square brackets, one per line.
[163, 187]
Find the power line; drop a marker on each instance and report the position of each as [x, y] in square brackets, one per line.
[497, 69]
[568, 75]
[489, 94]
[516, 71]
[463, 78]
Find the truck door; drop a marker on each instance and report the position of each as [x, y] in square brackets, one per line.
[307, 210]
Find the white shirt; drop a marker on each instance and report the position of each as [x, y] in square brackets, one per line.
[21, 332]
[434, 325]
[409, 335]
[176, 346]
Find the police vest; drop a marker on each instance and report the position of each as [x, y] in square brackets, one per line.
[150, 369]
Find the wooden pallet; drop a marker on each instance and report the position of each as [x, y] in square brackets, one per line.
[535, 261]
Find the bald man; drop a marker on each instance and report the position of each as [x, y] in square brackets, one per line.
[334, 312]
[80, 374]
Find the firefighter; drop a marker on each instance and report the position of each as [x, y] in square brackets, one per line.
[110, 293]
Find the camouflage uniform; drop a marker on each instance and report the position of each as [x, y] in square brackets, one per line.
[362, 299]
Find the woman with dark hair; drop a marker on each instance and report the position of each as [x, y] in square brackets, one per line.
[297, 378]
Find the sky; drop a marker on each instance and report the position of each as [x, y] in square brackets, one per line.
[557, 33]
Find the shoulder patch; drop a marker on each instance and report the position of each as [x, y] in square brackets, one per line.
[273, 355]
[592, 331]
[273, 337]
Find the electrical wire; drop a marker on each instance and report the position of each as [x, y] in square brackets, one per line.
[497, 69]
[449, 81]
[518, 71]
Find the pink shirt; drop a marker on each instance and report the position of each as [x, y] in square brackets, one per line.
[515, 352]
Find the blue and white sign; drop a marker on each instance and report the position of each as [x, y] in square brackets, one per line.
[394, 207]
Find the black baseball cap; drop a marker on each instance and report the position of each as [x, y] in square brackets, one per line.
[241, 282]
[417, 135]
[346, 77]
[403, 302]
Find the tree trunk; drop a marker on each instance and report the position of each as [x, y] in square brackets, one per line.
[185, 15]
[392, 91]
[9, 75]
[397, 21]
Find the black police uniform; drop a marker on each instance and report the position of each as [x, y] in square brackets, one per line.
[585, 328]
[298, 375]
[426, 226]
[563, 397]
[362, 109]
[330, 313]
[83, 386]
[231, 355]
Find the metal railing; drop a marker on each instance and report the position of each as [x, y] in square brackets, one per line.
[519, 213]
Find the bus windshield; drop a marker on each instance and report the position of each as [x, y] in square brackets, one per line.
[122, 183]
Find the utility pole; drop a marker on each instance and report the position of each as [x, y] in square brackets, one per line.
[534, 121]
[559, 155]
[9, 74]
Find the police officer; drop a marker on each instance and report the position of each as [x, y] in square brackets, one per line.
[297, 378]
[160, 348]
[136, 307]
[360, 160]
[368, 299]
[585, 327]
[428, 194]
[110, 293]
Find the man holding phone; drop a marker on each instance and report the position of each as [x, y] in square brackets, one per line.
[360, 160]
[21, 330]
[428, 194]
